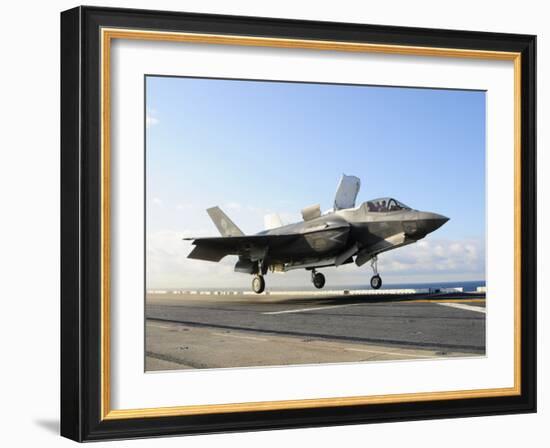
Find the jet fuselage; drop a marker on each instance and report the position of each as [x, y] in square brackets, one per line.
[344, 235]
[356, 230]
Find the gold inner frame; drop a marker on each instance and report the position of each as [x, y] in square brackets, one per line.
[107, 35]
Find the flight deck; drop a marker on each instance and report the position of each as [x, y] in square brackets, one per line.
[205, 330]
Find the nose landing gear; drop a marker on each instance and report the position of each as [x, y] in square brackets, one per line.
[318, 279]
[376, 280]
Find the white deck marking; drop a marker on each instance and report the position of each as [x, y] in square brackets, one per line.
[462, 306]
[380, 352]
[240, 337]
[303, 310]
[160, 326]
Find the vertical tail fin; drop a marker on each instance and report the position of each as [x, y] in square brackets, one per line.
[272, 221]
[225, 226]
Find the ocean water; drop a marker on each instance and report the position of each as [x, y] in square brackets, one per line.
[468, 286]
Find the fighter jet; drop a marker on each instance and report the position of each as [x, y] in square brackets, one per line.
[344, 234]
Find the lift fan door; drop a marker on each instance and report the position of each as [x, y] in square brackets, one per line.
[346, 193]
[311, 212]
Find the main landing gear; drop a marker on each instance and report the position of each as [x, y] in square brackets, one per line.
[376, 280]
[317, 279]
[258, 284]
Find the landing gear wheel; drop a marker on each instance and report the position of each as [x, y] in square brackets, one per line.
[376, 282]
[318, 280]
[258, 284]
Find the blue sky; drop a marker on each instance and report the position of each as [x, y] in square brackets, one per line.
[256, 147]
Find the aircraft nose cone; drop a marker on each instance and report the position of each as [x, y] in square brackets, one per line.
[431, 221]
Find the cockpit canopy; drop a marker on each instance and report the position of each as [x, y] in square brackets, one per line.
[385, 205]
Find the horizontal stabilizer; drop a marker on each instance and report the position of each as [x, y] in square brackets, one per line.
[206, 253]
[214, 249]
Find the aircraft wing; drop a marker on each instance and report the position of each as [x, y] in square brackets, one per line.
[215, 248]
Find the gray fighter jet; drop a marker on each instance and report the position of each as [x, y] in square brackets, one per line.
[343, 235]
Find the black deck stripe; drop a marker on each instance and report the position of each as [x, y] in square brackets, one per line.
[473, 348]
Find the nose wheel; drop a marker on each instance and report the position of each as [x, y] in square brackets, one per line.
[317, 279]
[376, 280]
[258, 284]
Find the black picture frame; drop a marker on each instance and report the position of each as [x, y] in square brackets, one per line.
[81, 381]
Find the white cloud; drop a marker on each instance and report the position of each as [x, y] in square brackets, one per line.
[150, 118]
[426, 261]
[429, 260]
[168, 265]
[186, 206]
[436, 256]
[232, 206]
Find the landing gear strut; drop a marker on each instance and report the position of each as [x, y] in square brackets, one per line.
[318, 279]
[258, 284]
[376, 280]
